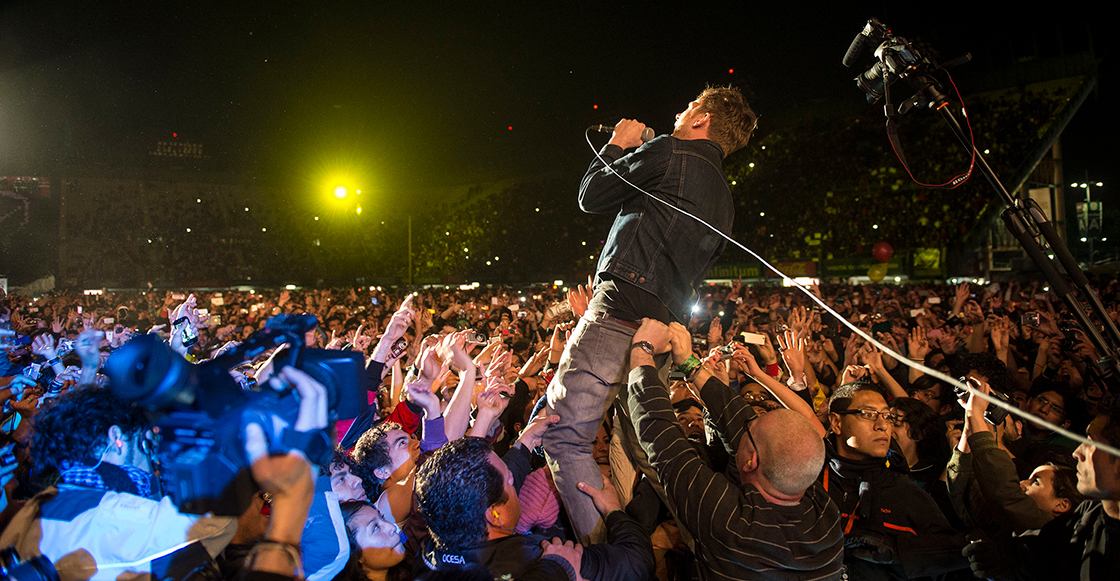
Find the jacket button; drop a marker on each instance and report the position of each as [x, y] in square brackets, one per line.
[642, 279]
[632, 275]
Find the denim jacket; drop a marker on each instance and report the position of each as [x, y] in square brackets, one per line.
[650, 245]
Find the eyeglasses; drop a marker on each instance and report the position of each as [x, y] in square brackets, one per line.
[872, 415]
[752, 397]
[928, 394]
[1043, 402]
[753, 445]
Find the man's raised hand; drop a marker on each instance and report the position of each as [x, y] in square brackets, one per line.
[628, 133]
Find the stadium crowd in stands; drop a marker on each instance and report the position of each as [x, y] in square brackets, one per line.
[843, 202]
[442, 477]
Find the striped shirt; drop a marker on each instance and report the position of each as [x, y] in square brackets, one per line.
[738, 533]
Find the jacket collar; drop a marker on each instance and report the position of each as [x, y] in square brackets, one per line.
[707, 148]
[862, 470]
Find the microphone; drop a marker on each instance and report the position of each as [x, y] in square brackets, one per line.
[647, 134]
[860, 41]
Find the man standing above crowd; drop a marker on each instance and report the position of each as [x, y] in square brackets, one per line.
[652, 261]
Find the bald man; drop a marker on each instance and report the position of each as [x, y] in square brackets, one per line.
[768, 518]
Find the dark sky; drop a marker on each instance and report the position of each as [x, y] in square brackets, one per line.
[418, 94]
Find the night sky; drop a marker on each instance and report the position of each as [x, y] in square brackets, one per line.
[424, 94]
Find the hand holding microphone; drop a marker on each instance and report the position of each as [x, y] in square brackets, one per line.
[628, 133]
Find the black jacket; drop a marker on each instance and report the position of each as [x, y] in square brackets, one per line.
[628, 556]
[651, 245]
[893, 529]
[1081, 544]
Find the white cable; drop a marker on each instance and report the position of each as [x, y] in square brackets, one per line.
[904, 360]
[145, 560]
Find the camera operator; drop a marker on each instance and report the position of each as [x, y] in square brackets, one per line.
[103, 516]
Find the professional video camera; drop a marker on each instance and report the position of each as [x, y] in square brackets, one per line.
[201, 411]
[896, 59]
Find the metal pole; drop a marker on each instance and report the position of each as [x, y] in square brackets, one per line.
[1089, 208]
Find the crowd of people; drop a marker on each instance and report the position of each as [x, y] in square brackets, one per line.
[442, 475]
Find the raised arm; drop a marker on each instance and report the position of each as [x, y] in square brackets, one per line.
[457, 416]
[746, 363]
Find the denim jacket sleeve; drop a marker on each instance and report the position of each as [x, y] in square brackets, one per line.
[601, 192]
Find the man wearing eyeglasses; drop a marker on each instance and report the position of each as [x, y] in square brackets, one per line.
[892, 528]
[1049, 403]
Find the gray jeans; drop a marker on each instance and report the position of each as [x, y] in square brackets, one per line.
[590, 373]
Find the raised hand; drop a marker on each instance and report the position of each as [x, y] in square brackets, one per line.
[88, 348]
[793, 353]
[962, 294]
[491, 401]
[1000, 335]
[453, 349]
[534, 363]
[579, 297]
[559, 340]
[499, 365]
[918, 345]
[715, 332]
[799, 320]
[43, 346]
[420, 393]
[766, 351]
[853, 373]
[487, 354]
[362, 342]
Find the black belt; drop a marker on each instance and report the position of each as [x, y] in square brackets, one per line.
[606, 318]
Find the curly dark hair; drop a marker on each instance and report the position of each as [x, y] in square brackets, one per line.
[922, 420]
[945, 397]
[341, 457]
[73, 429]
[454, 488]
[370, 453]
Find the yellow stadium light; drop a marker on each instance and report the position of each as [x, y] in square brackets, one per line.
[340, 192]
